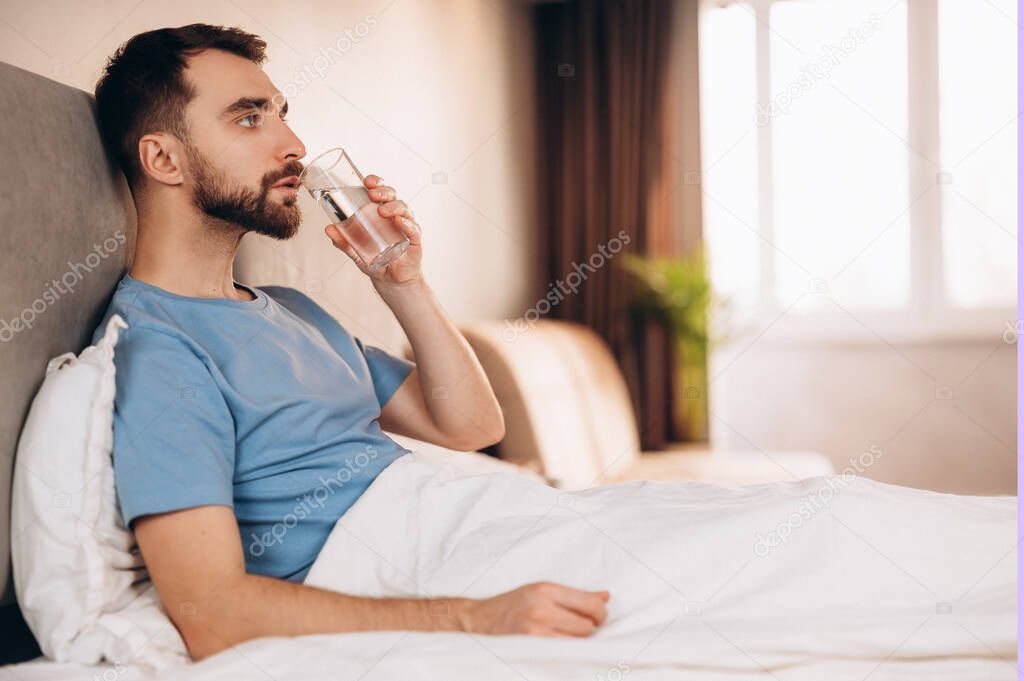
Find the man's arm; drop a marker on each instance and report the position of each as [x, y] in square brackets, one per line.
[446, 398]
[195, 559]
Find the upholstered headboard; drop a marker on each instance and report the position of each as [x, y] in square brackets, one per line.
[68, 233]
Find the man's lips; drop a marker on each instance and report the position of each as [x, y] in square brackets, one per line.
[290, 181]
[289, 186]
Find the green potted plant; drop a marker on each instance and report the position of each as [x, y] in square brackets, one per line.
[676, 293]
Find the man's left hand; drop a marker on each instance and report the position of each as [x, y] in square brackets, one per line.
[405, 269]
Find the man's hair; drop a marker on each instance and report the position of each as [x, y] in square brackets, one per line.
[143, 88]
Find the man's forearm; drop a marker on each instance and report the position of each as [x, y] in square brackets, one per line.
[195, 559]
[457, 393]
[252, 606]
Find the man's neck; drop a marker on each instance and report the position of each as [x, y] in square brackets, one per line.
[188, 256]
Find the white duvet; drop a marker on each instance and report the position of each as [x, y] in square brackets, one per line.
[828, 578]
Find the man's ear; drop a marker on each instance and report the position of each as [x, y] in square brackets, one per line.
[161, 158]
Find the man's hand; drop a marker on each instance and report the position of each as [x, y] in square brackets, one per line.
[539, 609]
[405, 269]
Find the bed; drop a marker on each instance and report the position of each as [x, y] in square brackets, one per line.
[731, 616]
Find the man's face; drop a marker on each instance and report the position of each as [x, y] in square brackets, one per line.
[239, 146]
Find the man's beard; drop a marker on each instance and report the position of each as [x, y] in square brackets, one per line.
[251, 210]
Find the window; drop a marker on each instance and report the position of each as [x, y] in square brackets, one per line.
[859, 160]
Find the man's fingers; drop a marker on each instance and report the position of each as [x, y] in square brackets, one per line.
[336, 237]
[588, 603]
[568, 622]
[393, 208]
[382, 193]
[409, 228]
[377, 190]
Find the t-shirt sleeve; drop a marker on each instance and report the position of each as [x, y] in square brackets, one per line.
[386, 370]
[174, 443]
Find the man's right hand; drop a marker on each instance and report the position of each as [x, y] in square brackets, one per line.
[538, 609]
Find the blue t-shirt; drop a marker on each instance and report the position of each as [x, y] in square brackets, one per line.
[267, 406]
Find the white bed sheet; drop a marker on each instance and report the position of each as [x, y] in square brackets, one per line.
[399, 656]
[884, 583]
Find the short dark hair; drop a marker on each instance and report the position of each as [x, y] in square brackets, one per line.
[143, 89]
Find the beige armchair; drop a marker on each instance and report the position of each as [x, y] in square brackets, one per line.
[568, 415]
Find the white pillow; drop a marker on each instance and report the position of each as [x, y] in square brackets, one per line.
[78, 575]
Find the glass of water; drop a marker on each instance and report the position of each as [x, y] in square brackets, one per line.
[336, 184]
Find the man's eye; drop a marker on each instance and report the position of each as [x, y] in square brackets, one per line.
[252, 115]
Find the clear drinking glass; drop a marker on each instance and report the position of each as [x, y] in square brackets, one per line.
[337, 185]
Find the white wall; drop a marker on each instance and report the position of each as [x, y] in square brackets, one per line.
[412, 88]
[843, 397]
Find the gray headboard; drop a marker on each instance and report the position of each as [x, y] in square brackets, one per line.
[67, 234]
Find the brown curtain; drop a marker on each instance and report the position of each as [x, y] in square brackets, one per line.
[609, 112]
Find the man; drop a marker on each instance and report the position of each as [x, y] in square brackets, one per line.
[248, 420]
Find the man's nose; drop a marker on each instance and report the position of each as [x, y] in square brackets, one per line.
[293, 149]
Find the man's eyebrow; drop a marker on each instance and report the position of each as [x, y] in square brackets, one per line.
[243, 104]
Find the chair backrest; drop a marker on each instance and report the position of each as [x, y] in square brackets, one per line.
[567, 409]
